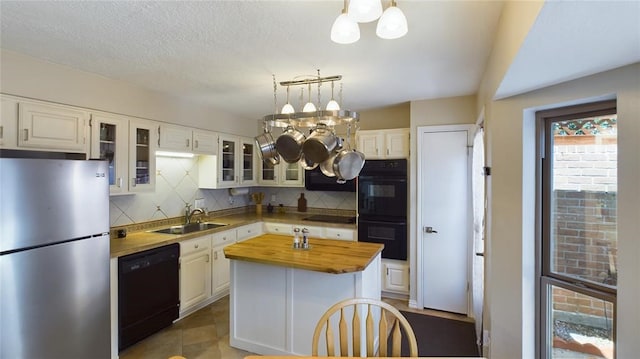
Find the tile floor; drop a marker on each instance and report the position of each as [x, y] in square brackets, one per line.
[205, 334]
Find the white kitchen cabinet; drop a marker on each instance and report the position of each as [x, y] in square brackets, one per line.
[52, 127]
[221, 270]
[142, 155]
[235, 165]
[283, 174]
[110, 141]
[195, 272]
[248, 231]
[187, 139]
[8, 122]
[395, 276]
[314, 231]
[340, 233]
[384, 144]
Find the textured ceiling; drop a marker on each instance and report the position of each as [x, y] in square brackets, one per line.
[223, 53]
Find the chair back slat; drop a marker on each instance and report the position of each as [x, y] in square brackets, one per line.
[329, 337]
[396, 339]
[395, 326]
[383, 330]
[355, 328]
[344, 334]
[369, 329]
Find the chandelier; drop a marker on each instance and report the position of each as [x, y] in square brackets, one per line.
[392, 23]
[312, 136]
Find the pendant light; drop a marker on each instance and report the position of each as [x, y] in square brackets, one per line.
[392, 24]
[365, 10]
[288, 108]
[333, 104]
[345, 30]
[309, 107]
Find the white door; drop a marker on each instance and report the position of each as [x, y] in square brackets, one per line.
[444, 207]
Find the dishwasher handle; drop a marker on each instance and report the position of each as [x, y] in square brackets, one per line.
[149, 258]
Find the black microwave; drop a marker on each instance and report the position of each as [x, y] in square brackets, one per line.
[315, 180]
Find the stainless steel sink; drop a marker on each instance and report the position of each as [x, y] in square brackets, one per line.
[189, 228]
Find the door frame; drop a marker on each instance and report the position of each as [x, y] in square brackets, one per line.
[420, 130]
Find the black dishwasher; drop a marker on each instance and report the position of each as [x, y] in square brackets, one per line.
[148, 293]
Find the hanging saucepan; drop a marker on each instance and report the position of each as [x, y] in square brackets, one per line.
[327, 165]
[320, 144]
[289, 144]
[347, 164]
[267, 147]
[307, 165]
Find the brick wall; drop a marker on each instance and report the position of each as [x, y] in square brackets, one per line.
[585, 191]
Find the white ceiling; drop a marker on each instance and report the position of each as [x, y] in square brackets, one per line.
[224, 52]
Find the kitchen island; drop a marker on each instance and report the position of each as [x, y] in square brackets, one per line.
[278, 293]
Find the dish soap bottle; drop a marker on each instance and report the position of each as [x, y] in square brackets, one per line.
[302, 203]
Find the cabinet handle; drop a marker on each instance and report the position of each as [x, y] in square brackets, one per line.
[387, 271]
[208, 258]
[215, 255]
[1, 132]
[187, 143]
[119, 182]
[195, 143]
[196, 246]
[387, 151]
[133, 182]
[26, 134]
[377, 151]
[236, 179]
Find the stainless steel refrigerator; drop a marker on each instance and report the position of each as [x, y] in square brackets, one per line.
[54, 259]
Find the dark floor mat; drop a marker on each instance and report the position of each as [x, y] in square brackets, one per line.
[441, 337]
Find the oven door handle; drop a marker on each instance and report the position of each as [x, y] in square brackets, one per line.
[383, 222]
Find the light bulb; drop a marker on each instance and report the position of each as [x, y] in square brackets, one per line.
[287, 109]
[309, 107]
[392, 24]
[365, 10]
[333, 106]
[345, 30]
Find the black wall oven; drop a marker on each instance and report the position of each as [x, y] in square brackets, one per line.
[382, 206]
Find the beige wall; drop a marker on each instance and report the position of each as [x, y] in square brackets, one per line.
[29, 77]
[396, 116]
[445, 111]
[510, 279]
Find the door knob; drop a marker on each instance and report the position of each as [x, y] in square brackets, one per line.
[429, 230]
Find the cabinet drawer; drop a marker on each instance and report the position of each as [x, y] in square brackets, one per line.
[278, 228]
[195, 245]
[340, 233]
[224, 238]
[248, 231]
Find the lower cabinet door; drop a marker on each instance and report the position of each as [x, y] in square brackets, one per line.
[195, 279]
[221, 271]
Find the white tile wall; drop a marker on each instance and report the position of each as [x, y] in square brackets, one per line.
[177, 184]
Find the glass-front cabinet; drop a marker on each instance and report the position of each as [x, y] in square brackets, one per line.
[142, 160]
[109, 141]
[283, 174]
[236, 161]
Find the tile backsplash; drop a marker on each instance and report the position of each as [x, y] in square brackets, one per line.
[177, 184]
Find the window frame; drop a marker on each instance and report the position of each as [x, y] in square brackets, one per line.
[544, 222]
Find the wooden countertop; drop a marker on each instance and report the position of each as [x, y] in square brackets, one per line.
[325, 255]
[146, 239]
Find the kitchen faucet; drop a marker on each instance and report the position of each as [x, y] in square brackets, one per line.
[188, 213]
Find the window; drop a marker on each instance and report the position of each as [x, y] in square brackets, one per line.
[578, 231]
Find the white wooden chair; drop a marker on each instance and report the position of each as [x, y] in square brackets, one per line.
[390, 323]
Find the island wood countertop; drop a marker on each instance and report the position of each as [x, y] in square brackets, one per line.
[325, 255]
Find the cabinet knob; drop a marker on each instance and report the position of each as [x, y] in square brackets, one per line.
[196, 246]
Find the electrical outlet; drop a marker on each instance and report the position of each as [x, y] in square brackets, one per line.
[273, 198]
[199, 203]
[485, 338]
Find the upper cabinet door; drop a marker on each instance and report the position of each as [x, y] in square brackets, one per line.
[205, 142]
[8, 123]
[110, 141]
[52, 127]
[175, 138]
[247, 161]
[370, 143]
[143, 137]
[397, 144]
[228, 160]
